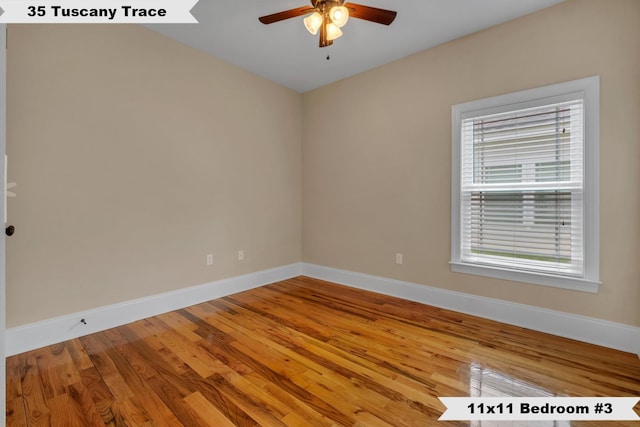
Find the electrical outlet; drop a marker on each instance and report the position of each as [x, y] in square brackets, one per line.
[240, 255]
[399, 258]
[209, 259]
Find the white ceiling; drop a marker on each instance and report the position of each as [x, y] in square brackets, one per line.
[287, 54]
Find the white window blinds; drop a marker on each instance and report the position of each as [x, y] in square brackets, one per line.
[522, 188]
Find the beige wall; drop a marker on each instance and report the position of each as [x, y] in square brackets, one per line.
[376, 152]
[135, 156]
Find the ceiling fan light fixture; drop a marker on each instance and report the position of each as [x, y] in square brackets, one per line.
[313, 22]
[333, 32]
[339, 15]
[328, 16]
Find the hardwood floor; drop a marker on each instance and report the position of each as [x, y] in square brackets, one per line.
[302, 352]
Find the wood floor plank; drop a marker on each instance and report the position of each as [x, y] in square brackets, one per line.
[181, 325]
[302, 352]
[15, 416]
[69, 411]
[107, 368]
[300, 412]
[172, 386]
[308, 360]
[208, 412]
[135, 415]
[49, 368]
[78, 354]
[191, 354]
[172, 360]
[226, 351]
[15, 372]
[108, 409]
[160, 399]
[258, 407]
[35, 401]
[373, 395]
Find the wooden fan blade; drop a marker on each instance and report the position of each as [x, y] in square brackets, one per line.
[373, 14]
[281, 16]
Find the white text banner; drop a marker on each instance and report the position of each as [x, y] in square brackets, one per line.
[540, 408]
[97, 12]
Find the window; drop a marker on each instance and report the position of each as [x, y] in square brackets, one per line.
[525, 186]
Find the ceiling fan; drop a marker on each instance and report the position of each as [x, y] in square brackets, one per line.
[328, 16]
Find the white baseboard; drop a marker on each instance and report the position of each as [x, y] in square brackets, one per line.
[588, 329]
[52, 331]
[582, 328]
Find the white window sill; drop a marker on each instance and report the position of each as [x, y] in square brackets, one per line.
[564, 282]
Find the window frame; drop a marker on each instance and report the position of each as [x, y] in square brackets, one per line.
[587, 89]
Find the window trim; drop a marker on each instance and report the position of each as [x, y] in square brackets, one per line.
[589, 89]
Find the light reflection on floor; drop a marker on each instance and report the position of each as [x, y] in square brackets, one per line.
[487, 382]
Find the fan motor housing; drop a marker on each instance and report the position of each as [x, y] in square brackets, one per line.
[326, 4]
